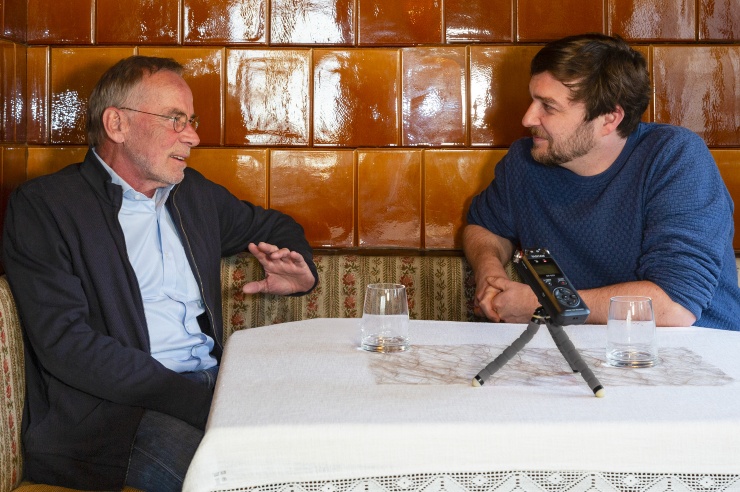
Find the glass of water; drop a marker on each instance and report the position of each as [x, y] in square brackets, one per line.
[630, 332]
[385, 319]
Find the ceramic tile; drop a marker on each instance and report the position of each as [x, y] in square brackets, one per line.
[404, 22]
[37, 94]
[434, 99]
[74, 73]
[652, 20]
[13, 92]
[267, 98]
[204, 74]
[451, 179]
[728, 162]
[355, 97]
[137, 22]
[47, 160]
[389, 198]
[49, 23]
[544, 21]
[14, 19]
[483, 21]
[316, 188]
[719, 20]
[312, 22]
[224, 21]
[698, 87]
[499, 93]
[242, 171]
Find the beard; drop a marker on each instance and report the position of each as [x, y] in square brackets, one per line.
[566, 149]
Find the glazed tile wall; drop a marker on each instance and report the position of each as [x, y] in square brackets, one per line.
[372, 122]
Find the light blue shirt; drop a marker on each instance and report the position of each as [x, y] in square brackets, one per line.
[172, 299]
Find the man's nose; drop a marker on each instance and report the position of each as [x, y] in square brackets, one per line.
[530, 118]
[190, 136]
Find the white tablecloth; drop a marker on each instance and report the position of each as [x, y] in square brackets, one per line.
[299, 403]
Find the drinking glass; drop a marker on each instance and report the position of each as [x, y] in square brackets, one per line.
[630, 332]
[385, 319]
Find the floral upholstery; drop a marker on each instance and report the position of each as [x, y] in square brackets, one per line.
[438, 288]
[13, 388]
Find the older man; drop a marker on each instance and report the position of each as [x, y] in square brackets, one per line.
[114, 264]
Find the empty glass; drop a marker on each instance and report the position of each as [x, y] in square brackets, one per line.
[630, 332]
[385, 319]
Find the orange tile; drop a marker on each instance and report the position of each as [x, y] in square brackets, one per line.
[434, 99]
[699, 87]
[242, 171]
[483, 21]
[13, 92]
[451, 179]
[544, 21]
[728, 162]
[400, 22]
[267, 98]
[316, 188]
[74, 73]
[355, 97]
[224, 21]
[499, 93]
[310, 22]
[653, 20]
[37, 94]
[55, 22]
[719, 21]
[389, 198]
[204, 74]
[14, 19]
[137, 22]
[47, 160]
[14, 167]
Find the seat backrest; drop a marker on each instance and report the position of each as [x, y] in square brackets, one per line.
[438, 288]
[12, 385]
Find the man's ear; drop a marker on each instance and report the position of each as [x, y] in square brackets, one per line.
[612, 120]
[115, 125]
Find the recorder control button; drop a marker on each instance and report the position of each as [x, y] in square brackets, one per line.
[566, 296]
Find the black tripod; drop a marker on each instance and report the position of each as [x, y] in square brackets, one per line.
[563, 343]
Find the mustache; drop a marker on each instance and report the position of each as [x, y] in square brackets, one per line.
[536, 132]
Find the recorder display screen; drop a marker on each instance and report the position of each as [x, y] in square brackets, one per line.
[546, 268]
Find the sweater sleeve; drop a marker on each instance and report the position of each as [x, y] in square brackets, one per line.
[491, 209]
[688, 220]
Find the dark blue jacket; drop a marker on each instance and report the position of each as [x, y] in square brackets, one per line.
[89, 373]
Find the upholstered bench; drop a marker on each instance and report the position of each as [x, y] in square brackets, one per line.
[439, 287]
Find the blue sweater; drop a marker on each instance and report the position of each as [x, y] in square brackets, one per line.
[661, 213]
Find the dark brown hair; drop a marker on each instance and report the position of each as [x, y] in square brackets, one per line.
[116, 85]
[602, 72]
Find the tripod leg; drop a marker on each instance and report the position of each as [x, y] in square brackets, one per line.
[508, 352]
[574, 358]
[558, 344]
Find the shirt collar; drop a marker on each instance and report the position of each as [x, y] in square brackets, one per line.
[160, 195]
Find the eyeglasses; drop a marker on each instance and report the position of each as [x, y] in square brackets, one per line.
[179, 122]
